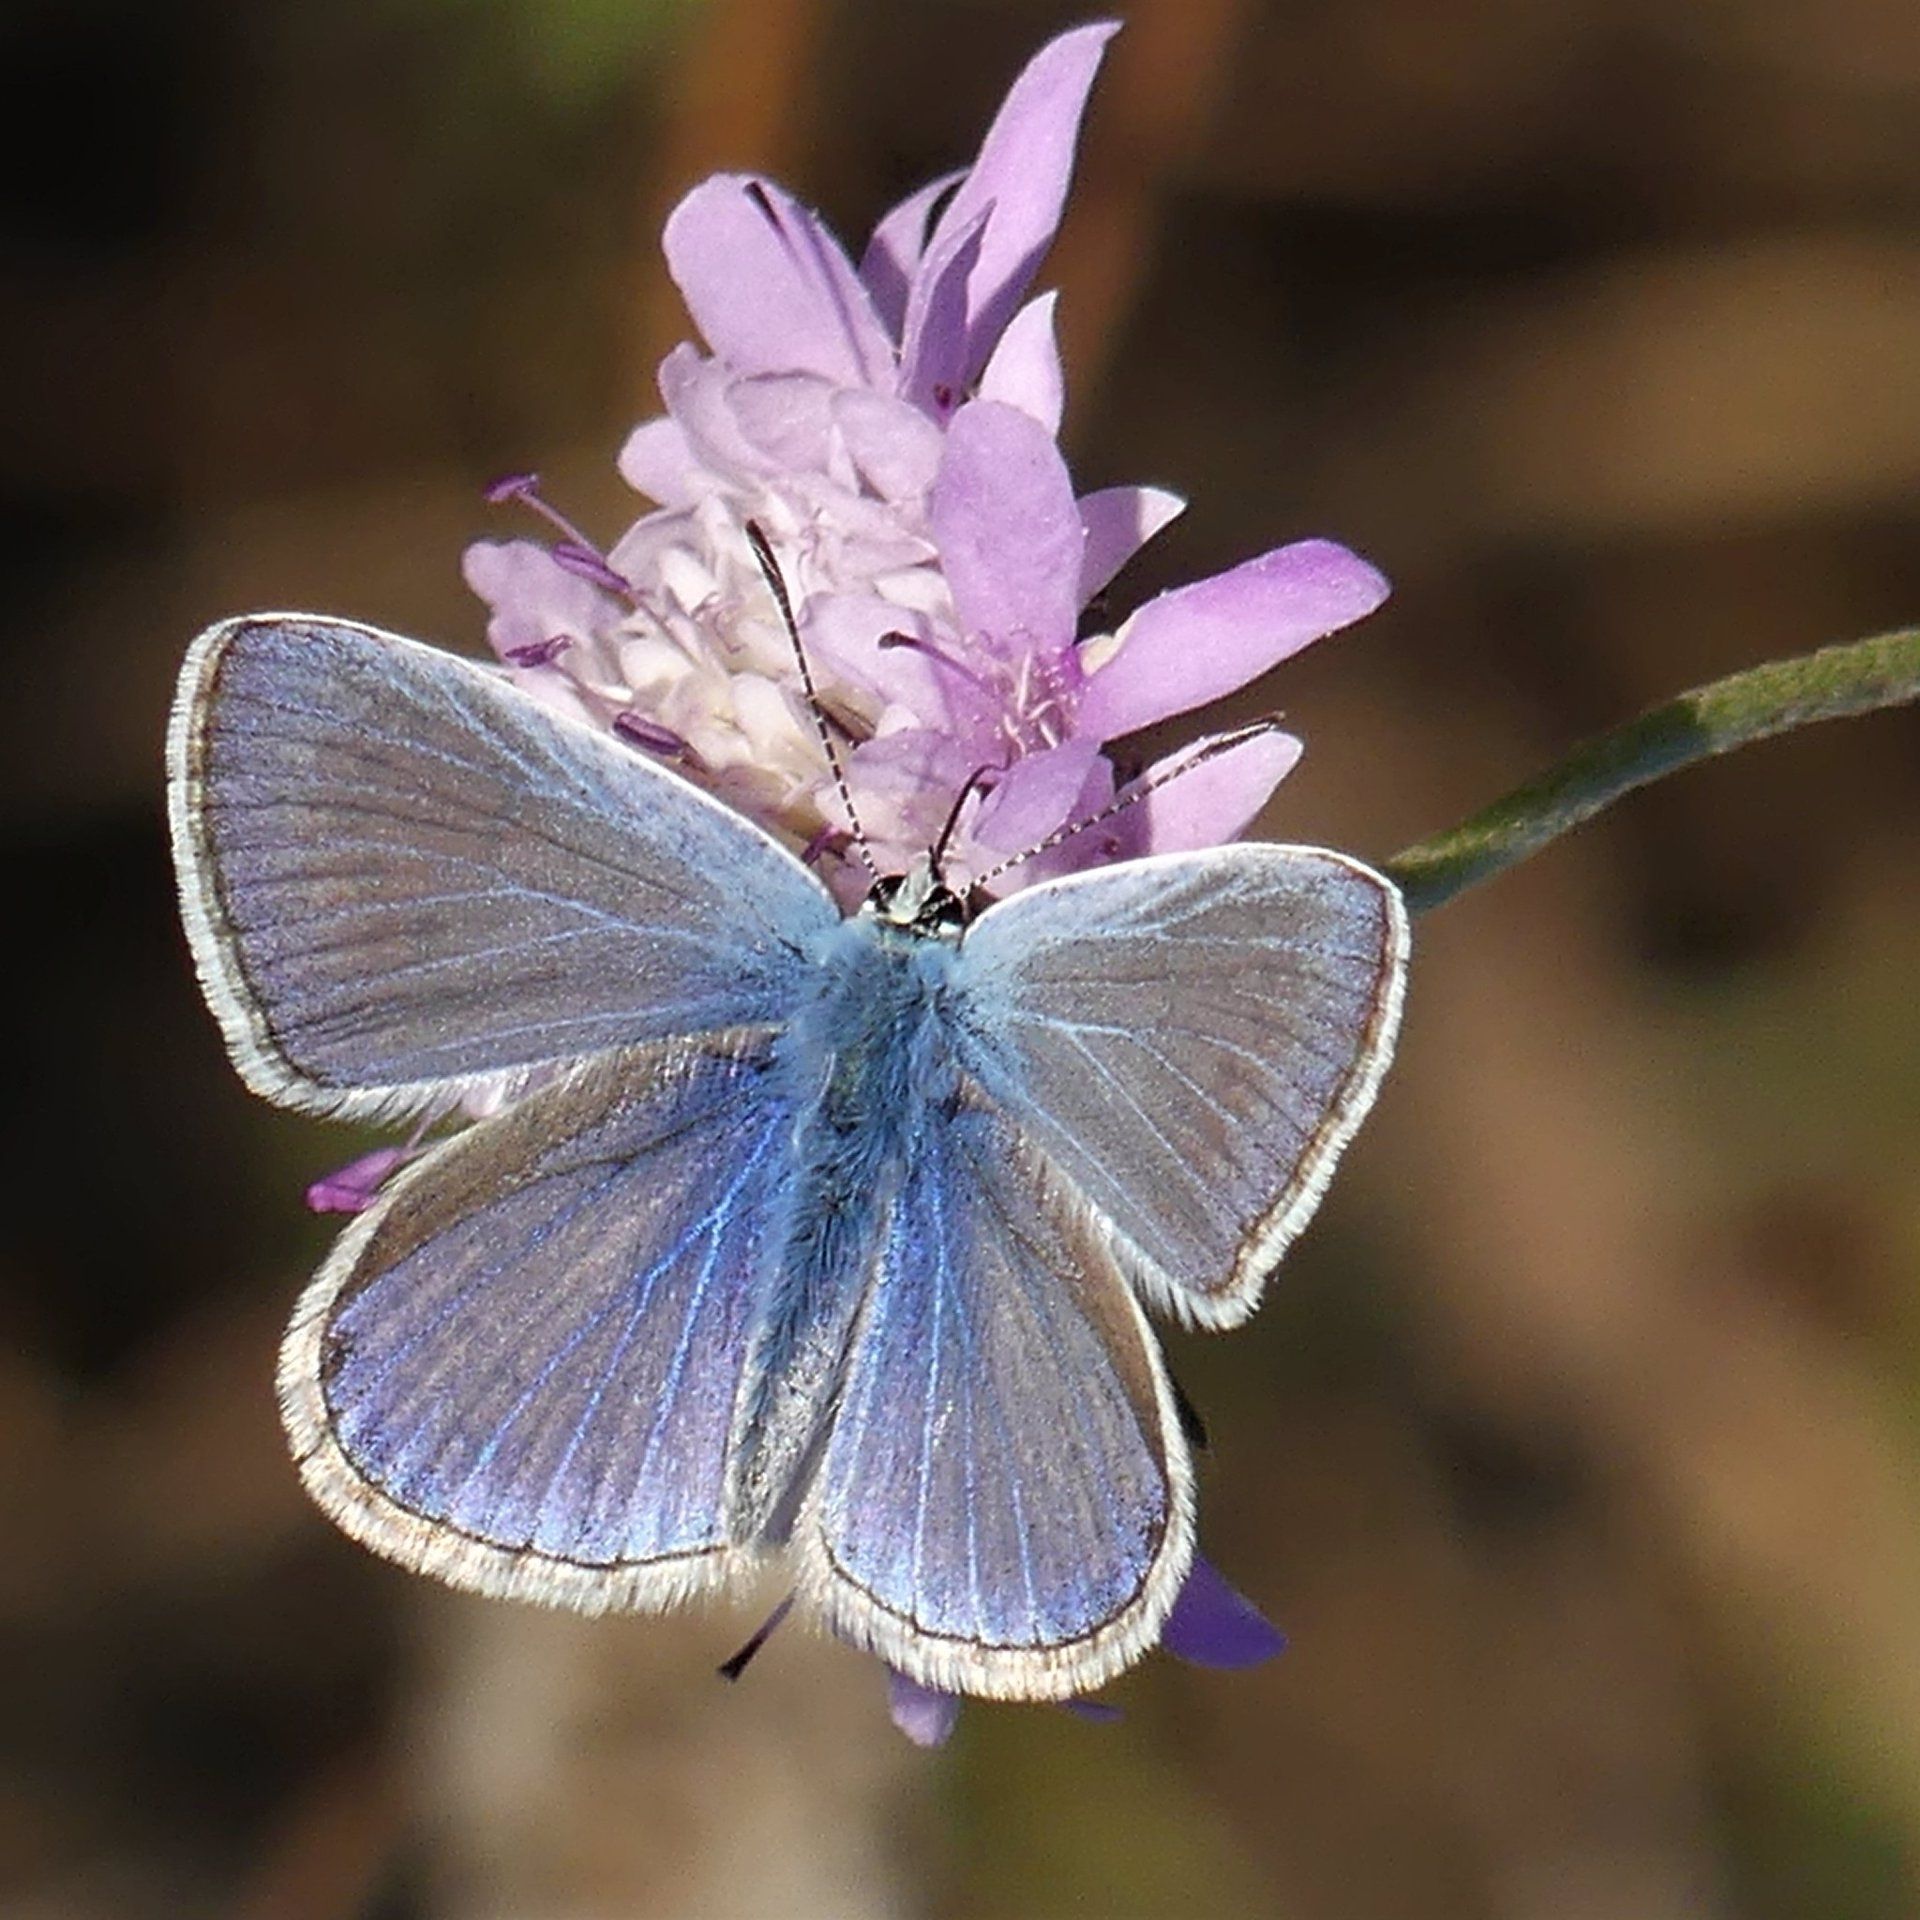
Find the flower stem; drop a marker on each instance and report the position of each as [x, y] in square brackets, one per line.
[1828, 685]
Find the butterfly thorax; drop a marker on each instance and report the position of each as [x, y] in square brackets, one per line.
[867, 1063]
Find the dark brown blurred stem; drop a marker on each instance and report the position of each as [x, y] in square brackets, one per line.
[1828, 685]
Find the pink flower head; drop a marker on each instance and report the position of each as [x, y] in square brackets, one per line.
[891, 427]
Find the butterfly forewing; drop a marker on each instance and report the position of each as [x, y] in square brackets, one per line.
[522, 1370]
[403, 878]
[1003, 1506]
[1192, 1039]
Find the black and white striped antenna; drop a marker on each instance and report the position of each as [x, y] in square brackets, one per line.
[770, 567]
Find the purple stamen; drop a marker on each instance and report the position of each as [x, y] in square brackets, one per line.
[575, 552]
[513, 486]
[734, 1668]
[892, 642]
[540, 653]
[828, 840]
[580, 560]
[642, 732]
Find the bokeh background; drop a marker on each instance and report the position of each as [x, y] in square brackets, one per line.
[1578, 1450]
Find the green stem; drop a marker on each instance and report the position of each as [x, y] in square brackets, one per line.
[1762, 701]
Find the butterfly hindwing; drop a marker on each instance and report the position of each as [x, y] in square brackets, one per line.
[404, 878]
[1003, 1505]
[521, 1371]
[1191, 1039]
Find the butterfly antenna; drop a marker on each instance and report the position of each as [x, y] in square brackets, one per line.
[1137, 791]
[978, 781]
[770, 567]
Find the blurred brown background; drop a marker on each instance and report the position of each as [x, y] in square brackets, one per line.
[1579, 1450]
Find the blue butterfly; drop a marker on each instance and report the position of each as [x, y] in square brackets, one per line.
[807, 1234]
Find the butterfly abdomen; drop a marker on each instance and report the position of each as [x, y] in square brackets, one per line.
[865, 1060]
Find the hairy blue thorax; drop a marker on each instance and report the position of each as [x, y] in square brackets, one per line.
[863, 1065]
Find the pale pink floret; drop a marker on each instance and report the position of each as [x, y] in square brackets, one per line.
[892, 429]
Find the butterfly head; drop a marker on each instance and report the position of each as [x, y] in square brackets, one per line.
[919, 902]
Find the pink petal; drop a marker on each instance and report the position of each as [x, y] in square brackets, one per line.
[533, 597]
[903, 784]
[1198, 642]
[1039, 793]
[1025, 163]
[1214, 801]
[916, 771]
[843, 634]
[1025, 368]
[854, 537]
[895, 446]
[1213, 1626]
[352, 1188]
[933, 337]
[1004, 519]
[1119, 522]
[787, 416]
[657, 461]
[1122, 836]
[893, 254]
[923, 1714]
[769, 287]
[699, 395]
